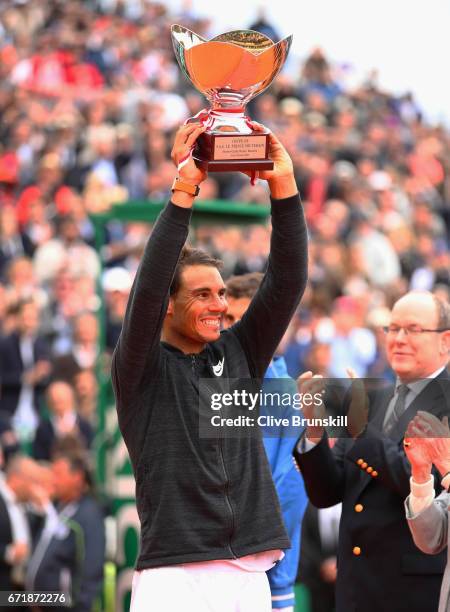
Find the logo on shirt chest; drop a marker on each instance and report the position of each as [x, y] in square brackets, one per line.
[218, 368]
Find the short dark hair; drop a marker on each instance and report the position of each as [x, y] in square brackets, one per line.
[192, 257]
[244, 285]
[72, 450]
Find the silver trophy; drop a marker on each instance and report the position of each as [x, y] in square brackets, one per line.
[230, 70]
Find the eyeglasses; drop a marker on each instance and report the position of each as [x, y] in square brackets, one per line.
[411, 330]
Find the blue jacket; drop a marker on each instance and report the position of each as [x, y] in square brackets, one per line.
[291, 492]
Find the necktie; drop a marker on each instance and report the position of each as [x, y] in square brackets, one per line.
[398, 410]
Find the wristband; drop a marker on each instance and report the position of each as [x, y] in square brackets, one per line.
[179, 185]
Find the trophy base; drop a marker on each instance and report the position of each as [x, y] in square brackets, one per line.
[233, 152]
[211, 165]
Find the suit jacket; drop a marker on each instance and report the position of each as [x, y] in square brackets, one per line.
[11, 370]
[71, 559]
[45, 437]
[5, 539]
[429, 529]
[379, 566]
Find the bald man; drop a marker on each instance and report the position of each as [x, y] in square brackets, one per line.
[379, 567]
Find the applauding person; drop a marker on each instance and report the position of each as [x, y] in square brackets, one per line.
[427, 442]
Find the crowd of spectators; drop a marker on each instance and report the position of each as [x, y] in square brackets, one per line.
[90, 97]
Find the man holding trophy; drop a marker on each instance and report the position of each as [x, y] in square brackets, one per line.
[210, 518]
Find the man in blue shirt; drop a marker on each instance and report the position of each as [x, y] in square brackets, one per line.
[279, 447]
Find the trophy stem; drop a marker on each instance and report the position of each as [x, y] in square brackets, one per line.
[228, 120]
[219, 110]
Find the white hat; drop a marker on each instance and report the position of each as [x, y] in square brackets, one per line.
[117, 279]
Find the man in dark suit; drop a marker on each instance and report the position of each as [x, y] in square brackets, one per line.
[379, 567]
[24, 364]
[62, 421]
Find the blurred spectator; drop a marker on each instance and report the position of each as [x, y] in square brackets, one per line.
[22, 283]
[317, 78]
[15, 537]
[9, 442]
[86, 390]
[318, 557]
[25, 368]
[351, 344]
[70, 551]
[116, 285]
[379, 260]
[318, 358]
[263, 25]
[62, 421]
[379, 368]
[84, 350]
[13, 243]
[68, 251]
[63, 306]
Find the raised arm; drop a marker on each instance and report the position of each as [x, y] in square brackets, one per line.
[263, 325]
[138, 345]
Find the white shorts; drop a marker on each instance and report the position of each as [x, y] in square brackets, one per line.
[180, 588]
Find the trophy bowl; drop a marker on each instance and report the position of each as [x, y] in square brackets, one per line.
[229, 70]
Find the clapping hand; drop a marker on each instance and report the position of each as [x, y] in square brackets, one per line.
[428, 436]
[417, 451]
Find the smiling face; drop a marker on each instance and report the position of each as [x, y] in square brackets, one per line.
[195, 311]
[416, 356]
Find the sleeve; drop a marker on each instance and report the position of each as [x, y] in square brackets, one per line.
[138, 345]
[10, 378]
[42, 350]
[41, 445]
[422, 495]
[323, 472]
[43, 353]
[429, 528]
[88, 433]
[261, 328]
